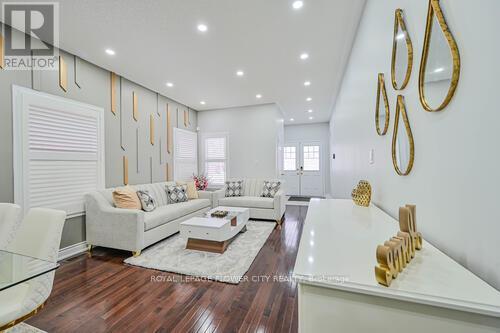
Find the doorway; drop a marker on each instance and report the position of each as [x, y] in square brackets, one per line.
[303, 168]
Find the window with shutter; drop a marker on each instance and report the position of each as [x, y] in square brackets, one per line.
[215, 158]
[58, 151]
[185, 154]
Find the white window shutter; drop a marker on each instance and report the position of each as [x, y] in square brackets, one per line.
[185, 154]
[58, 151]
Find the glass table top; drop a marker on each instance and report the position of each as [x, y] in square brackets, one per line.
[18, 268]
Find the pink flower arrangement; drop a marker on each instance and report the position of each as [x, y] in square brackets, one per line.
[200, 182]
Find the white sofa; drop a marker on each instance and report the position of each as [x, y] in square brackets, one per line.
[260, 207]
[134, 230]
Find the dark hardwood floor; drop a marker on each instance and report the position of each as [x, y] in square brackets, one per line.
[101, 294]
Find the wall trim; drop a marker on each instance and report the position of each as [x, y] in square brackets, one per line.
[72, 250]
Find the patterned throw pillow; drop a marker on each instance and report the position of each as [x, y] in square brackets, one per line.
[270, 189]
[176, 193]
[234, 188]
[147, 201]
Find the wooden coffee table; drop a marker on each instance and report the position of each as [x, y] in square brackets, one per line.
[213, 234]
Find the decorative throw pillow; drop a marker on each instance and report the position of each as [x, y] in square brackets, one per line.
[176, 193]
[148, 203]
[270, 188]
[190, 188]
[126, 197]
[234, 188]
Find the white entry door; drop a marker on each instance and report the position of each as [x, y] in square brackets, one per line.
[302, 168]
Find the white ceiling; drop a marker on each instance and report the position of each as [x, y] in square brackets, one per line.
[158, 42]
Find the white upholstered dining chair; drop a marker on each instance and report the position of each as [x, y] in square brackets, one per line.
[38, 236]
[9, 222]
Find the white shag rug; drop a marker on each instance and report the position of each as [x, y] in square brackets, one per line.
[24, 328]
[171, 255]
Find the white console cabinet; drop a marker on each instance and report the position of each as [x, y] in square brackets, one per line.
[338, 292]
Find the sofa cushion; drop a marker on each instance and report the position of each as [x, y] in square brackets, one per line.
[171, 212]
[248, 202]
[270, 189]
[157, 190]
[234, 188]
[126, 197]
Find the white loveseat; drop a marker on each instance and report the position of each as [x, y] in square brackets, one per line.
[260, 207]
[134, 230]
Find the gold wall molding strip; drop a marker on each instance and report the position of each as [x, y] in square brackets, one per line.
[169, 130]
[167, 172]
[113, 92]
[125, 170]
[158, 105]
[2, 57]
[135, 112]
[161, 151]
[152, 129]
[185, 118]
[75, 71]
[63, 74]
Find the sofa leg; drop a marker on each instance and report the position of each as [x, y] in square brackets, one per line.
[136, 253]
[89, 250]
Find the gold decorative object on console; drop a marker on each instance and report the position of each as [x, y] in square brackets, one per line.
[379, 120]
[362, 193]
[401, 64]
[442, 70]
[396, 253]
[113, 92]
[1, 52]
[152, 129]
[63, 74]
[135, 112]
[125, 170]
[403, 147]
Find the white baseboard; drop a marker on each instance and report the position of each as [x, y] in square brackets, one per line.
[72, 250]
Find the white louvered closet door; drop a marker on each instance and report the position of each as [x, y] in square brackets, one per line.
[58, 151]
[185, 154]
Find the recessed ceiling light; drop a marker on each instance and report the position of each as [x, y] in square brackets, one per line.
[203, 103]
[309, 99]
[307, 83]
[310, 110]
[311, 118]
[202, 27]
[297, 4]
[110, 51]
[240, 73]
[258, 96]
[304, 56]
[170, 84]
[291, 119]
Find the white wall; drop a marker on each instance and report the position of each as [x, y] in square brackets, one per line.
[313, 132]
[253, 132]
[456, 178]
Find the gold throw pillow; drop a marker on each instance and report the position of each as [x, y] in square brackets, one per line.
[126, 197]
[191, 189]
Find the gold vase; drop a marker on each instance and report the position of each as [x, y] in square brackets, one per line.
[362, 193]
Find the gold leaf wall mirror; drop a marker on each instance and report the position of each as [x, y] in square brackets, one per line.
[402, 53]
[382, 120]
[440, 64]
[403, 147]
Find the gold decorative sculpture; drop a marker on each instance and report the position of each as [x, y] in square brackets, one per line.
[397, 252]
[381, 120]
[113, 92]
[63, 74]
[439, 70]
[401, 64]
[403, 146]
[362, 193]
